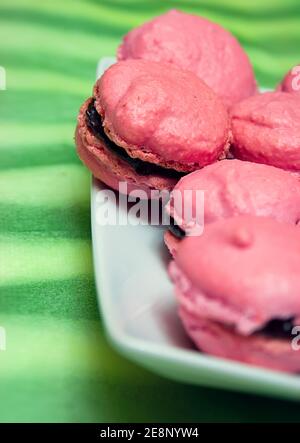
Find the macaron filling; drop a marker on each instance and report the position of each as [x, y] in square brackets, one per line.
[94, 123]
[176, 229]
[278, 328]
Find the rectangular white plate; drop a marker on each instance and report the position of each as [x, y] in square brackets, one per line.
[139, 309]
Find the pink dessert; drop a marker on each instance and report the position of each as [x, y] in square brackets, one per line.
[291, 82]
[232, 188]
[266, 129]
[198, 45]
[148, 124]
[238, 287]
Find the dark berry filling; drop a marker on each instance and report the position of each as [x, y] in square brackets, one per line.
[94, 122]
[175, 229]
[278, 328]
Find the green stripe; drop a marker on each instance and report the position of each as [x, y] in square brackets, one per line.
[48, 155]
[25, 260]
[12, 104]
[30, 135]
[87, 12]
[238, 7]
[72, 299]
[76, 67]
[40, 346]
[45, 82]
[64, 23]
[267, 12]
[141, 398]
[54, 42]
[24, 145]
[264, 21]
[61, 185]
[40, 221]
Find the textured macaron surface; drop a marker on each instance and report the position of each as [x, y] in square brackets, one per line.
[266, 129]
[109, 167]
[243, 272]
[162, 114]
[198, 45]
[291, 82]
[236, 187]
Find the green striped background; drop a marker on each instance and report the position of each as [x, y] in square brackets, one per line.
[58, 365]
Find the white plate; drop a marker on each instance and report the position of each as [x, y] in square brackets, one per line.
[139, 309]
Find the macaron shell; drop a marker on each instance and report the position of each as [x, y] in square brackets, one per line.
[198, 45]
[212, 338]
[171, 242]
[201, 304]
[291, 82]
[266, 129]
[163, 115]
[99, 163]
[248, 274]
[108, 167]
[235, 187]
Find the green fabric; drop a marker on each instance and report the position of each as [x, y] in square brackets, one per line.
[58, 365]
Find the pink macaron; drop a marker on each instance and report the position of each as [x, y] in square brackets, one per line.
[148, 124]
[231, 188]
[291, 82]
[238, 288]
[266, 129]
[198, 45]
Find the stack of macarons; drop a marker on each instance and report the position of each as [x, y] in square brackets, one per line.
[180, 111]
